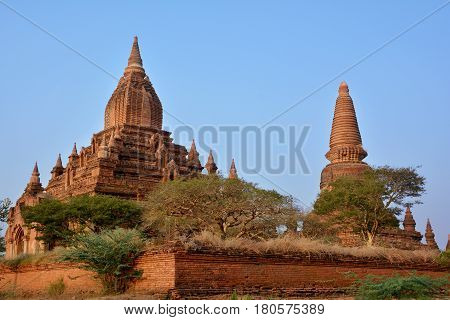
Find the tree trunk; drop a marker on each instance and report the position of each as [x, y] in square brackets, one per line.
[370, 239]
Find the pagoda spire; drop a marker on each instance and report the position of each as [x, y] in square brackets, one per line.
[135, 59]
[346, 151]
[429, 236]
[134, 101]
[345, 138]
[34, 186]
[409, 224]
[210, 164]
[74, 150]
[233, 172]
[193, 160]
[35, 174]
[58, 169]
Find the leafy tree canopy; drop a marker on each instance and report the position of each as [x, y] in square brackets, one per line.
[59, 221]
[4, 208]
[226, 207]
[367, 203]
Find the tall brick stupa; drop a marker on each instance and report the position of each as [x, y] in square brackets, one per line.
[346, 151]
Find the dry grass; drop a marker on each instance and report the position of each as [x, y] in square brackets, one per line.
[32, 259]
[290, 245]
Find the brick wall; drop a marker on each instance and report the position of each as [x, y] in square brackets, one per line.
[198, 274]
[203, 274]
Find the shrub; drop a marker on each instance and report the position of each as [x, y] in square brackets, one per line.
[56, 288]
[444, 259]
[234, 295]
[110, 254]
[398, 287]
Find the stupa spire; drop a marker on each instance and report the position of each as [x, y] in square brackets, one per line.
[58, 163]
[429, 236]
[409, 224]
[35, 174]
[34, 186]
[134, 101]
[345, 138]
[346, 151]
[193, 160]
[58, 169]
[74, 150]
[135, 59]
[233, 172]
[210, 164]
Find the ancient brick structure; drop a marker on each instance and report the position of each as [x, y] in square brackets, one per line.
[429, 236]
[126, 159]
[19, 239]
[183, 274]
[345, 155]
[346, 152]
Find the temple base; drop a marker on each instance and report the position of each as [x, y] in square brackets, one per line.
[335, 170]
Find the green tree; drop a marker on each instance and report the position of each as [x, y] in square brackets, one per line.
[368, 203]
[111, 254]
[57, 222]
[4, 209]
[226, 207]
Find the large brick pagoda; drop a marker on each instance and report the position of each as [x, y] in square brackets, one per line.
[132, 153]
[127, 158]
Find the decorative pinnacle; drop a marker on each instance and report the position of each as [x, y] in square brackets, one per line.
[409, 223]
[210, 164]
[58, 162]
[429, 229]
[35, 175]
[193, 156]
[343, 88]
[135, 59]
[233, 171]
[35, 169]
[74, 150]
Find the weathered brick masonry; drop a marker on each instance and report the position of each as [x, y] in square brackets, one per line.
[203, 274]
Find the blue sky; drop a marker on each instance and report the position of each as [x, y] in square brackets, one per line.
[234, 63]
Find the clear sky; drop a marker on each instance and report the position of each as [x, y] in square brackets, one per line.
[234, 63]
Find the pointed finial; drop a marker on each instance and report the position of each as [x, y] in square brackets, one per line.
[233, 171]
[193, 160]
[211, 165]
[34, 179]
[429, 236]
[58, 162]
[409, 224]
[74, 150]
[343, 88]
[429, 228]
[35, 169]
[135, 59]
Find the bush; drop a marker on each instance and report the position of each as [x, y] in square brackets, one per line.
[412, 287]
[110, 254]
[56, 288]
